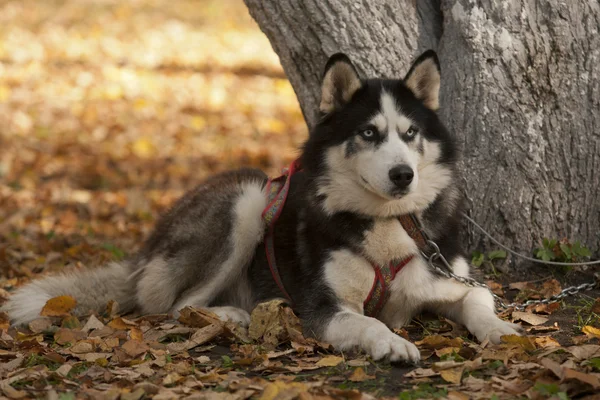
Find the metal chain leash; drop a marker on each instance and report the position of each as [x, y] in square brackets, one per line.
[447, 272]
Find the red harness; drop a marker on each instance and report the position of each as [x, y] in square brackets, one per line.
[277, 191]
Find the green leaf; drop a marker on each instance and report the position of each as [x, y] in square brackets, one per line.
[580, 250]
[227, 362]
[497, 254]
[477, 258]
[566, 249]
[545, 254]
[595, 363]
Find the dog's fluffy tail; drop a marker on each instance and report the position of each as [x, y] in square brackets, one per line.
[92, 288]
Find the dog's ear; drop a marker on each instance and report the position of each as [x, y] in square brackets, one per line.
[340, 82]
[423, 79]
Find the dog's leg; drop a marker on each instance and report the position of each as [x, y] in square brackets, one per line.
[474, 307]
[347, 329]
[246, 234]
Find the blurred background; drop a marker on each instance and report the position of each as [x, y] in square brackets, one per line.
[111, 109]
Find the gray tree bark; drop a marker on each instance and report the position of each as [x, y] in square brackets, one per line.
[520, 90]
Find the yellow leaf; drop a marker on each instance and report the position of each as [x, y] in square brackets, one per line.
[329, 361]
[4, 93]
[121, 324]
[143, 148]
[283, 390]
[452, 375]
[58, 306]
[438, 342]
[591, 331]
[136, 334]
[546, 341]
[197, 122]
[359, 375]
[525, 342]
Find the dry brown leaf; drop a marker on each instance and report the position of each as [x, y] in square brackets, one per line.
[122, 324]
[92, 323]
[438, 342]
[266, 323]
[197, 317]
[63, 336]
[551, 288]
[452, 375]
[359, 375]
[592, 380]
[329, 361]
[454, 395]
[40, 325]
[521, 286]
[58, 306]
[135, 348]
[546, 308]
[204, 335]
[4, 321]
[546, 341]
[585, 351]
[530, 318]
[495, 287]
[421, 373]
[82, 347]
[596, 306]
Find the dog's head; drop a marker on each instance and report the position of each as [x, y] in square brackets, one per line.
[379, 148]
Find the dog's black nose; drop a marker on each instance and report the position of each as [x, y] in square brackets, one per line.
[402, 175]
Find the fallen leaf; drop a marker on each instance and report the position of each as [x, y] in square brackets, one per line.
[92, 323]
[40, 325]
[495, 287]
[546, 308]
[546, 341]
[596, 306]
[58, 306]
[530, 318]
[438, 341]
[452, 375]
[591, 331]
[551, 288]
[584, 352]
[359, 375]
[592, 380]
[329, 361]
[82, 347]
[4, 321]
[134, 348]
[283, 390]
[524, 341]
[121, 324]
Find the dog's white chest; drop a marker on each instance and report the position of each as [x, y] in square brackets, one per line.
[388, 241]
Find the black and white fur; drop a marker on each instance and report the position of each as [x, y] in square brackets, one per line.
[378, 151]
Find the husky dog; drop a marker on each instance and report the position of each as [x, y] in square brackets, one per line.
[378, 153]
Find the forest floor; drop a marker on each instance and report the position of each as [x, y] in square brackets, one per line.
[109, 111]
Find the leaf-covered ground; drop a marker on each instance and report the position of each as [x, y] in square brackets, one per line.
[109, 110]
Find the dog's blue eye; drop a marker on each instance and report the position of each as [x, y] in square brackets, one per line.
[412, 131]
[368, 134]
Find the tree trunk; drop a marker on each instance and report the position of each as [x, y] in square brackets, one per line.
[520, 90]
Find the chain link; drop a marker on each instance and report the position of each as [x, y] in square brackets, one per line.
[446, 271]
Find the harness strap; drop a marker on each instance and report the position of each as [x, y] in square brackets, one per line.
[379, 293]
[277, 191]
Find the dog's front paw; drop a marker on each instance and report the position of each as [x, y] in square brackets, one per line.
[494, 330]
[382, 344]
